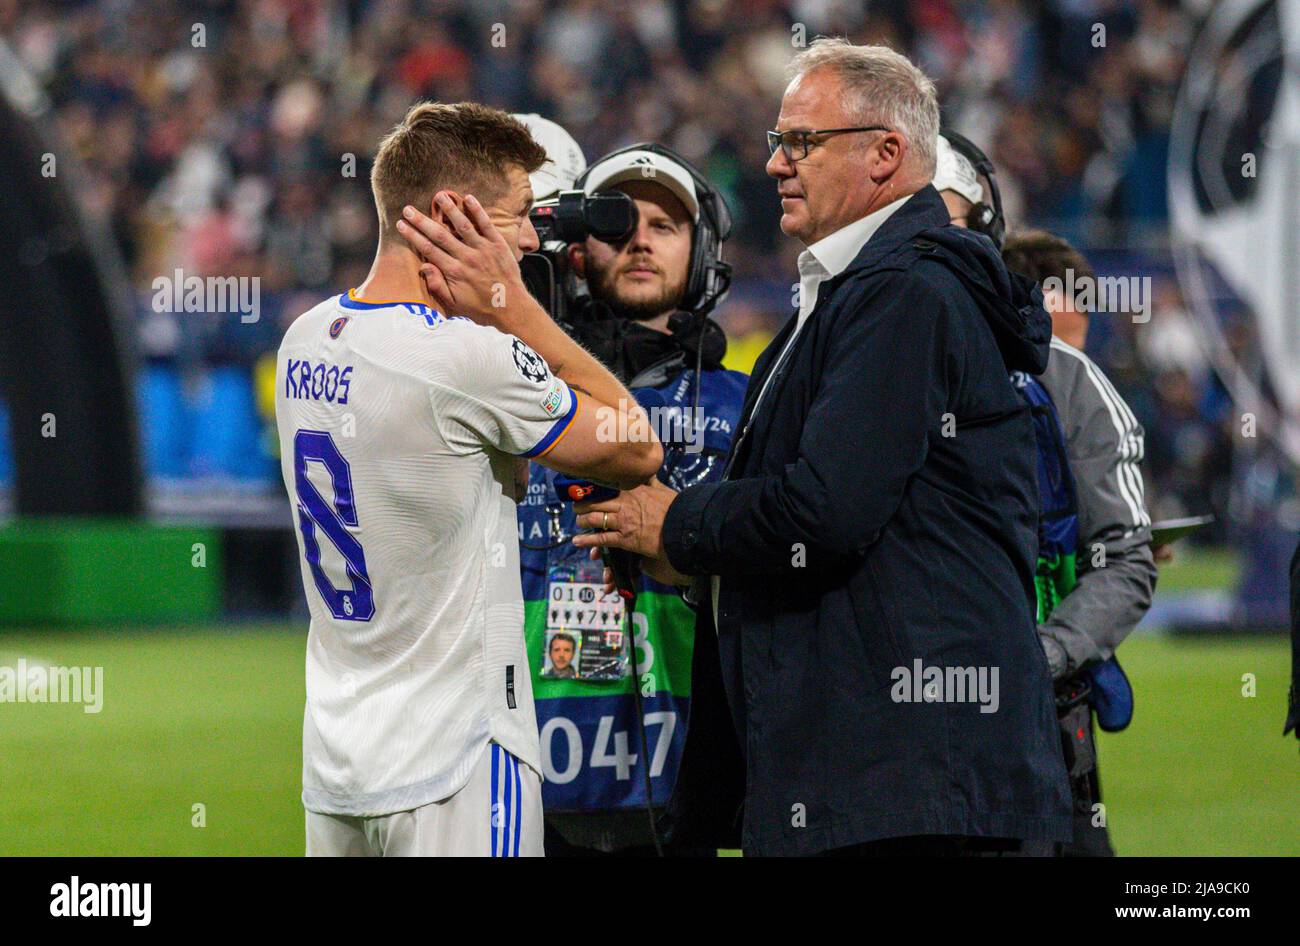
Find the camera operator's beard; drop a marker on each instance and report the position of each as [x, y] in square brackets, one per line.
[603, 285]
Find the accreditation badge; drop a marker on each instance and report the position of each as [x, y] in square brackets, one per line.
[584, 637]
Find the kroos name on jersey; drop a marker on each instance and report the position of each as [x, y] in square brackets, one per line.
[318, 381]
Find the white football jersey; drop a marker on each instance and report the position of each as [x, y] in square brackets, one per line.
[399, 432]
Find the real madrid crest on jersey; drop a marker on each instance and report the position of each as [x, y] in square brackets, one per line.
[529, 363]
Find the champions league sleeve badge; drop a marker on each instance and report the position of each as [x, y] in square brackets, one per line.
[529, 364]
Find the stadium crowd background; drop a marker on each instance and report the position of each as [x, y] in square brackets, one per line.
[232, 138]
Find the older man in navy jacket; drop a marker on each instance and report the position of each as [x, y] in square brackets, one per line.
[868, 559]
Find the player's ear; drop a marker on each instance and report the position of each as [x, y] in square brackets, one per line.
[578, 259]
[436, 212]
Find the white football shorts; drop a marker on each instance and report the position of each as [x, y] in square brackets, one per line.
[497, 814]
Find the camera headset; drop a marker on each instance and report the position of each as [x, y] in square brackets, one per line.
[986, 218]
[573, 215]
[707, 278]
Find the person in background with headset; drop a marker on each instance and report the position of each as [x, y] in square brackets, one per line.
[1109, 580]
[961, 172]
[645, 316]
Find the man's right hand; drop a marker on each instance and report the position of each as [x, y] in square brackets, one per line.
[468, 267]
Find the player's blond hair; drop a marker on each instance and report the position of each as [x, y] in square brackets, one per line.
[466, 147]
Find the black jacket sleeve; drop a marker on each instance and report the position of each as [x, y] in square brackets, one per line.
[880, 390]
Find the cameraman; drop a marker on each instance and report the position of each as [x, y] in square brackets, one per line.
[1084, 615]
[645, 316]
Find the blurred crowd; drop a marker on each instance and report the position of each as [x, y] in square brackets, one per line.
[215, 131]
[1160, 368]
[232, 137]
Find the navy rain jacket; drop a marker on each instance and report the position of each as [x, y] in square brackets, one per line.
[879, 516]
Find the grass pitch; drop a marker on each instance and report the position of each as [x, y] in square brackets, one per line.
[213, 718]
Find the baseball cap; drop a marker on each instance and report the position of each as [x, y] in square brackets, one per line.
[954, 172]
[564, 159]
[644, 166]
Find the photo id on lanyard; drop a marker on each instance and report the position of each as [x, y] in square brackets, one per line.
[584, 625]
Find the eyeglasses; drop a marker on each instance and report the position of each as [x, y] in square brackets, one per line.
[795, 144]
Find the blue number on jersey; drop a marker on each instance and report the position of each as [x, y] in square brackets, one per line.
[358, 602]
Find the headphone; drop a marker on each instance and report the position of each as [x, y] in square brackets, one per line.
[983, 218]
[707, 278]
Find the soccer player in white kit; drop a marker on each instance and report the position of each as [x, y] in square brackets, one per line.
[402, 417]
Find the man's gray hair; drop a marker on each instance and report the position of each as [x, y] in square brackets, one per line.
[881, 87]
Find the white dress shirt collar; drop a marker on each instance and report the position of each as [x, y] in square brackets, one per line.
[826, 258]
[831, 255]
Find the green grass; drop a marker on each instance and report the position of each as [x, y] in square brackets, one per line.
[1204, 769]
[214, 718]
[189, 718]
[1199, 569]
